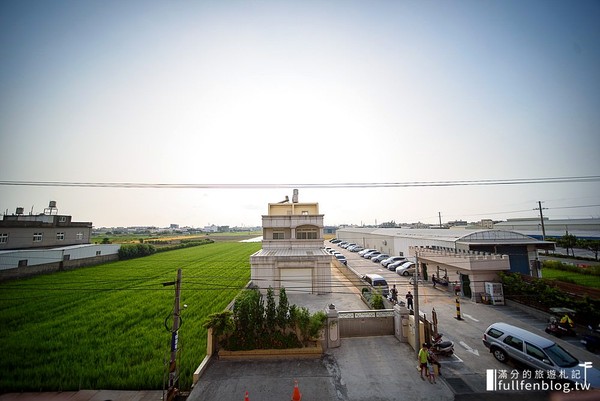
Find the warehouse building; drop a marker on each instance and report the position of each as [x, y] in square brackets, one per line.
[467, 257]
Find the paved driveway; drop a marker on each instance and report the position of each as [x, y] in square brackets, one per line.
[362, 369]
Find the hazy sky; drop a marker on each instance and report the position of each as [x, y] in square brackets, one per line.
[299, 92]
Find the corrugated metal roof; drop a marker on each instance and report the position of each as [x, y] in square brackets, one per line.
[452, 234]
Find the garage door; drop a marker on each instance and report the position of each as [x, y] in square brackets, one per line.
[296, 280]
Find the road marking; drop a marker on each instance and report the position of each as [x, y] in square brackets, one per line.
[469, 349]
[470, 317]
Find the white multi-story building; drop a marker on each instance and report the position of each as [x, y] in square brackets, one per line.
[292, 255]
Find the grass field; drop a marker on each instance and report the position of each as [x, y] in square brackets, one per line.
[104, 326]
[572, 277]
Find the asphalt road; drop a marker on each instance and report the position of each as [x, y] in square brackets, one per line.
[471, 358]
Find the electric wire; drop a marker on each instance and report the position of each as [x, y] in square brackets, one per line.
[509, 181]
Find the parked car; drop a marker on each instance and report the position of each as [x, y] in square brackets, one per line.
[335, 241]
[391, 259]
[341, 244]
[406, 269]
[392, 266]
[366, 250]
[348, 245]
[510, 342]
[341, 258]
[356, 248]
[380, 257]
[371, 254]
[377, 282]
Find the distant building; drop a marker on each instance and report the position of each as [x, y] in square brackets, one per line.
[292, 254]
[47, 242]
[45, 230]
[210, 229]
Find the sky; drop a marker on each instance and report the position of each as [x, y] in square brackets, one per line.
[243, 101]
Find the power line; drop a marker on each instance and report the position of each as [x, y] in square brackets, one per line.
[137, 185]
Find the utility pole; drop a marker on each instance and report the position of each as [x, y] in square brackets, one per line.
[173, 390]
[540, 208]
[416, 305]
[440, 217]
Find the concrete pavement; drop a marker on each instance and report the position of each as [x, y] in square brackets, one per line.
[366, 368]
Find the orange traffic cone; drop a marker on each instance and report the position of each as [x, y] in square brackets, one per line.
[246, 398]
[296, 396]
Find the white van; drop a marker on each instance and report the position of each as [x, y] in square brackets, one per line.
[377, 282]
[510, 342]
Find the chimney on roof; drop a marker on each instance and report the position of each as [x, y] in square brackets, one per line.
[295, 196]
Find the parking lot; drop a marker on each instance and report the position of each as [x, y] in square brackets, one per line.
[471, 359]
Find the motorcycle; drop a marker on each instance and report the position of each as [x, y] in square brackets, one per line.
[591, 340]
[555, 327]
[440, 347]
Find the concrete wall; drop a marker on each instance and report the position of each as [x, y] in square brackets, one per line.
[30, 271]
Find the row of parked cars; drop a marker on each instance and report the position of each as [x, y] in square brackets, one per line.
[337, 255]
[399, 264]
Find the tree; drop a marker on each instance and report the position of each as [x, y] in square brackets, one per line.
[220, 322]
[270, 312]
[282, 309]
[590, 245]
[568, 241]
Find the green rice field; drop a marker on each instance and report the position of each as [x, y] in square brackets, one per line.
[103, 327]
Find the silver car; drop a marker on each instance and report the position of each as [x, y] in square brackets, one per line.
[510, 342]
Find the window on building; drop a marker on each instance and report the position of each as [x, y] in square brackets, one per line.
[60, 236]
[3, 238]
[23, 263]
[37, 237]
[62, 219]
[305, 213]
[306, 233]
[66, 257]
[79, 236]
[98, 253]
[278, 235]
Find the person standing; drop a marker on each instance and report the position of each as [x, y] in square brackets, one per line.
[394, 295]
[431, 370]
[423, 357]
[434, 361]
[409, 300]
[433, 280]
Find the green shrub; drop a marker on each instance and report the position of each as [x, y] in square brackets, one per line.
[256, 326]
[377, 301]
[316, 324]
[135, 251]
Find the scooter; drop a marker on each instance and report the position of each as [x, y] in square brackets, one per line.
[440, 347]
[591, 340]
[558, 329]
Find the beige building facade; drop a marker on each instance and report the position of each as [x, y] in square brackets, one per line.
[292, 254]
